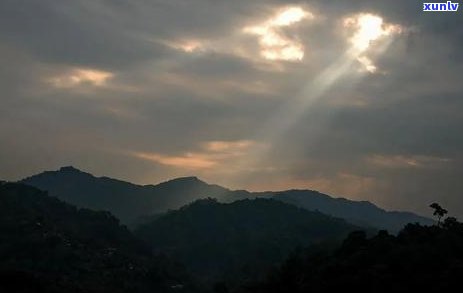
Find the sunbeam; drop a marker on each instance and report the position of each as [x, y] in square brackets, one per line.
[371, 31]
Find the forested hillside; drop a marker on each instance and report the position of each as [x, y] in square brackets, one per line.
[241, 239]
[418, 259]
[50, 246]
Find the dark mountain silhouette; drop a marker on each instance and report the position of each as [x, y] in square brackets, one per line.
[238, 240]
[418, 259]
[130, 202]
[362, 213]
[125, 200]
[47, 245]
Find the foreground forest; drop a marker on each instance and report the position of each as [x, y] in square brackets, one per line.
[263, 245]
[49, 246]
[418, 259]
[240, 240]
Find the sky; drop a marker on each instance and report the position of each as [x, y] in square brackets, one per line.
[356, 99]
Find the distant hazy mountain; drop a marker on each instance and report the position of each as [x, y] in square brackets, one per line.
[49, 246]
[130, 202]
[238, 239]
[361, 213]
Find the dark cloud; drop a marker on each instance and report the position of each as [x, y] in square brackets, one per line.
[392, 137]
[79, 32]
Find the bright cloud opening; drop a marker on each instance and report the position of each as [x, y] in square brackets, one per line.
[274, 44]
[289, 16]
[367, 63]
[368, 35]
[210, 156]
[80, 76]
[368, 30]
[187, 161]
[228, 146]
[187, 46]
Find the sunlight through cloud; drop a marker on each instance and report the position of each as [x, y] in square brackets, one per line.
[187, 161]
[187, 46]
[368, 29]
[367, 64]
[274, 44]
[228, 146]
[368, 35]
[211, 155]
[290, 16]
[81, 76]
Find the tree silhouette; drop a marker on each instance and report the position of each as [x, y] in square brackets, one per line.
[438, 211]
[450, 223]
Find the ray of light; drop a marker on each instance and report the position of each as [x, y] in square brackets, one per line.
[369, 29]
[339, 69]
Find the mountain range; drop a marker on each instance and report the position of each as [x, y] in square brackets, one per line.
[130, 202]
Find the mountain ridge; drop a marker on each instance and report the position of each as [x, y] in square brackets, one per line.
[130, 202]
[223, 240]
[126, 200]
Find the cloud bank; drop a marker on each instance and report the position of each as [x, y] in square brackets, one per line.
[361, 100]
